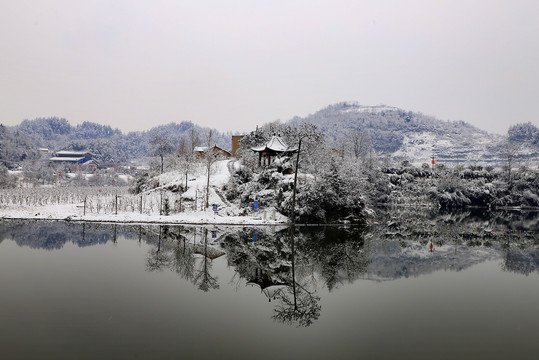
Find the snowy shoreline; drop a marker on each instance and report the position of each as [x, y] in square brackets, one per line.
[70, 212]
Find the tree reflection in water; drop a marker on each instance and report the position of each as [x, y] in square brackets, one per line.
[291, 265]
[183, 259]
[158, 259]
[298, 305]
[192, 261]
[202, 276]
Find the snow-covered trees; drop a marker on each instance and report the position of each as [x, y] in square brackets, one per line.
[524, 133]
[334, 194]
[162, 146]
[5, 179]
[106, 143]
[459, 187]
[15, 148]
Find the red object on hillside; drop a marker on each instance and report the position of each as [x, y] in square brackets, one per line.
[432, 161]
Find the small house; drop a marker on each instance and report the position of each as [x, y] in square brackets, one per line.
[70, 159]
[217, 151]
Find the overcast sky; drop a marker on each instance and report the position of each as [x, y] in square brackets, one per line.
[231, 65]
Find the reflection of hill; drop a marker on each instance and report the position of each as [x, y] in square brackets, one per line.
[393, 250]
[54, 235]
[394, 260]
[460, 241]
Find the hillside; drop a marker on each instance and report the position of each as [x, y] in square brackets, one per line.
[400, 134]
[15, 147]
[106, 143]
[406, 135]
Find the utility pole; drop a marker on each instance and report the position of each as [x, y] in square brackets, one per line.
[293, 213]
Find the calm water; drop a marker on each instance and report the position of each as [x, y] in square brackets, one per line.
[100, 291]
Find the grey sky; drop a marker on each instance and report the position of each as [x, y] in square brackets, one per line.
[235, 64]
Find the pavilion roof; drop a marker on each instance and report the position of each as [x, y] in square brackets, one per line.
[275, 144]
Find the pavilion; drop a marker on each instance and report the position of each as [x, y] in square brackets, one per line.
[274, 147]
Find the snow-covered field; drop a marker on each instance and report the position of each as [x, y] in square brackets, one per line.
[101, 205]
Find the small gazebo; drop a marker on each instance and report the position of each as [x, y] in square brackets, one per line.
[274, 147]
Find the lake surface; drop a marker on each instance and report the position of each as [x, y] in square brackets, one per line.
[103, 291]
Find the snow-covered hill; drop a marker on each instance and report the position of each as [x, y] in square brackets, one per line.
[406, 135]
[401, 134]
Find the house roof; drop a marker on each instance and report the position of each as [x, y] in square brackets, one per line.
[66, 159]
[215, 147]
[72, 153]
[275, 144]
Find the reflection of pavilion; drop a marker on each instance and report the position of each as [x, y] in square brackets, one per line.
[269, 288]
[207, 251]
[274, 147]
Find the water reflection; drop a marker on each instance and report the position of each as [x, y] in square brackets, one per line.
[178, 250]
[290, 266]
[55, 234]
[283, 273]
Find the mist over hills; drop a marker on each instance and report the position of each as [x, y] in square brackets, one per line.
[400, 134]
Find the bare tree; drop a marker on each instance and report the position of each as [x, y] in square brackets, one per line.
[510, 154]
[194, 140]
[362, 147]
[210, 157]
[185, 156]
[162, 145]
[311, 132]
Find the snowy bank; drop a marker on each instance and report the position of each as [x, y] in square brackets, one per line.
[115, 205]
[71, 212]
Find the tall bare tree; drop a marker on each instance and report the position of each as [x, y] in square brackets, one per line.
[362, 147]
[510, 155]
[185, 156]
[210, 157]
[162, 145]
[305, 131]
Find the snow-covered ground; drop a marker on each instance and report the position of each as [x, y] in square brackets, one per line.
[227, 213]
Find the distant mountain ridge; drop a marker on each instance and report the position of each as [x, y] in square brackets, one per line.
[400, 134]
[412, 136]
[106, 143]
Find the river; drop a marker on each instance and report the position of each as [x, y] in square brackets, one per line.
[415, 285]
